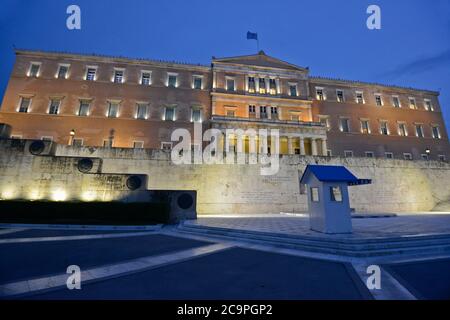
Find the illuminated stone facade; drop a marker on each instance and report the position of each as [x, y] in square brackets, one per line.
[130, 103]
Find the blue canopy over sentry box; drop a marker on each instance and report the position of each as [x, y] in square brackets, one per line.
[328, 201]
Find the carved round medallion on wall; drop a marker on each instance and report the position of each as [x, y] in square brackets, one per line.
[185, 201]
[134, 182]
[85, 165]
[37, 147]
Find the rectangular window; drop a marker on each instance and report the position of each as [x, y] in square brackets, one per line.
[370, 154]
[118, 76]
[274, 112]
[91, 74]
[428, 105]
[336, 194]
[84, 109]
[345, 125]
[340, 95]
[273, 86]
[314, 194]
[230, 84]
[263, 112]
[365, 128]
[319, 94]
[389, 155]
[412, 103]
[77, 142]
[138, 144]
[251, 85]
[231, 113]
[293, 90]
[197, 82]
[62, 71]
[325, 121]
[359, 97]
[396, 101]
[262, 86]
[166, 146]
[384, 130]
[252, 111]
[407, 156]
[402, 130]
[169, 114]
[196, 115]
[419, 131]
[34, 69]
[378, 100]
[172, 81]
[108, 143]
[113, 110]
[348, 154]
[435, 131]
[424, 157]
[146, 78]
[54, 106]
[24, 104]
[141, 111]
[441, 157]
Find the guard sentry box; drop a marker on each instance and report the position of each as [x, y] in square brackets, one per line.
[328, 200]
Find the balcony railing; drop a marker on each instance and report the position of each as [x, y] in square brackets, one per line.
[271, 121]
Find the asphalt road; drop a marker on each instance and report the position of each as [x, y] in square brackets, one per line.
[172, 267]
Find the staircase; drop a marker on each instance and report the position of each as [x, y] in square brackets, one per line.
[414, 245]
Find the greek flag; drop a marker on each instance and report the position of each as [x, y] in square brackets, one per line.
[251, 35]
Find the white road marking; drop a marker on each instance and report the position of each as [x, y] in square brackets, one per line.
[108, 271]
[8, 231]
[71, 238]
[391, 289]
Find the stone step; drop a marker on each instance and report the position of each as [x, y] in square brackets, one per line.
[349, 247]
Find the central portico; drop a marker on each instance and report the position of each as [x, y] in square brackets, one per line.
[261, 92]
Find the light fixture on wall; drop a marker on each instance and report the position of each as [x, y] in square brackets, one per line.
[427, 151]
[72, 136]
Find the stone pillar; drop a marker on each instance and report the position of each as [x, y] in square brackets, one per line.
[256, 84]
[324, 147]
[314, 146]
[302, 146]
[263, 144]
[290, 145]
[277, 81]
[267, 85]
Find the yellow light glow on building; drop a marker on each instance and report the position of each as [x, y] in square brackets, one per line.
[8, 194]
[89, 196]
[59, 195]
[34, 195]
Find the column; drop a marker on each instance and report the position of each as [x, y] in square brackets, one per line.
[290, 145]
[256, 84]
[324, 147]
[302, 146]
[263, 144]
[277, 81]
[267, 85]
[314, 146]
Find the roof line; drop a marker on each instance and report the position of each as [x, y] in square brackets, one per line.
[373, 83]
[19, 50]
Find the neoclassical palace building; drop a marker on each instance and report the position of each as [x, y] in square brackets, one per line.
[117, 102]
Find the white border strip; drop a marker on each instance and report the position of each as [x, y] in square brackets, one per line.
[108, 271]
[81, 237]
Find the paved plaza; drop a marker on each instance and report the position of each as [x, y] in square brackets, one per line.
[167, 263]
[377, 227]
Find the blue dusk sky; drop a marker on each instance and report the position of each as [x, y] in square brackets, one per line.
[330, 36]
